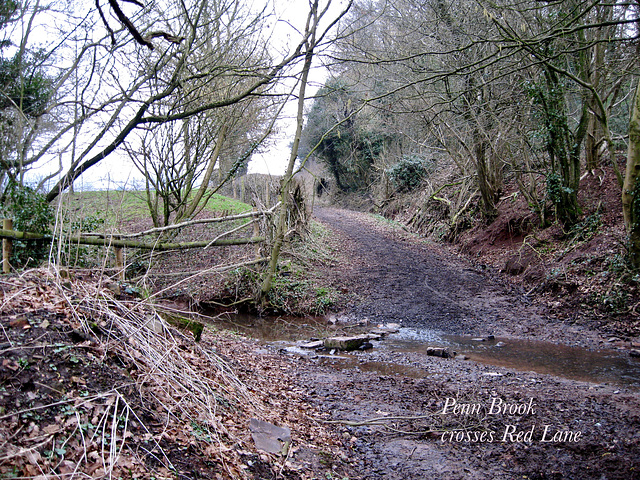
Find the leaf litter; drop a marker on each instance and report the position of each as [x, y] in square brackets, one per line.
[90, 387]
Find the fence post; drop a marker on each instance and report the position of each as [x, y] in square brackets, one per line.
[7, 244]
[119, 251]
[256, 233]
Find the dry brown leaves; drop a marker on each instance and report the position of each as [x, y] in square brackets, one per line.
[176, 380]
[167, 394]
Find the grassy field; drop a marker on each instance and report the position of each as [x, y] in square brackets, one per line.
[118, 208]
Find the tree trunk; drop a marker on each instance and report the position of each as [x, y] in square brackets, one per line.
[631, 189]
[487, 187]
[286, 179]
[592, 142]
[564, 151]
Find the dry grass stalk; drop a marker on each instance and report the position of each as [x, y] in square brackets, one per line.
[173, 375]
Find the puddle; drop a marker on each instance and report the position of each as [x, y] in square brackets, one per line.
[604, 366]
[280, 329]
[529, 355]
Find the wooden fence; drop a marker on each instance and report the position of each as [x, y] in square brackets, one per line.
[120, 241]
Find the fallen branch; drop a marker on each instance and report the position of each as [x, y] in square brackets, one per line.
[244, 225]
[434, 194]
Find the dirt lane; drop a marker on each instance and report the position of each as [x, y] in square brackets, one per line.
[403, 279]
[555, 429]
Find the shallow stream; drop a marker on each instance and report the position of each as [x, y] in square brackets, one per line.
[601, 366]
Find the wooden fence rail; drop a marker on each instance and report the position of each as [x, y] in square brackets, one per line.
[120, 241]
[114, 242]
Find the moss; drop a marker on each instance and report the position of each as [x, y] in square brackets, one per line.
[187, 324]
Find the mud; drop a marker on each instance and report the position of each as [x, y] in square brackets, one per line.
[570, 429]
[404, 279]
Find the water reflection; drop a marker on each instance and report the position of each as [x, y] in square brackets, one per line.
[605, 366]
[530, 355]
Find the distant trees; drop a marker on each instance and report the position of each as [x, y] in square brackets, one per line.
[534, 91]
[348, 138]
[178, 157]
[564, 45]
[221, 62]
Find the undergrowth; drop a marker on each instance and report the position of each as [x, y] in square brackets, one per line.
[299, 286]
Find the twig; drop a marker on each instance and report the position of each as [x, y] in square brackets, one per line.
[233, 230]
[200, 221]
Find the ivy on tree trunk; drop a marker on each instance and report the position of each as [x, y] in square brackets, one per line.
[631, 189]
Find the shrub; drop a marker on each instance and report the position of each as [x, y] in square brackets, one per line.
[30, 213]
[408, 173]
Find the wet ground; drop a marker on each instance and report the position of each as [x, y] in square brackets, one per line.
[290, 334]
[525, 409]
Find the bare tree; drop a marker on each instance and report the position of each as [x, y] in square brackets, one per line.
[315, 37]
[105, 87]
[488, 78]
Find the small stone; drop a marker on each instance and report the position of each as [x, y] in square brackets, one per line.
[270, 438]
[313, 345]
[384, 329]
[345, 343]
[378, 331]
[115, 288]
[500, 344]
[634, 353]
[438, 352]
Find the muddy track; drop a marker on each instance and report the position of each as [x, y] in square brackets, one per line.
[398, 278]
[401, 279]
